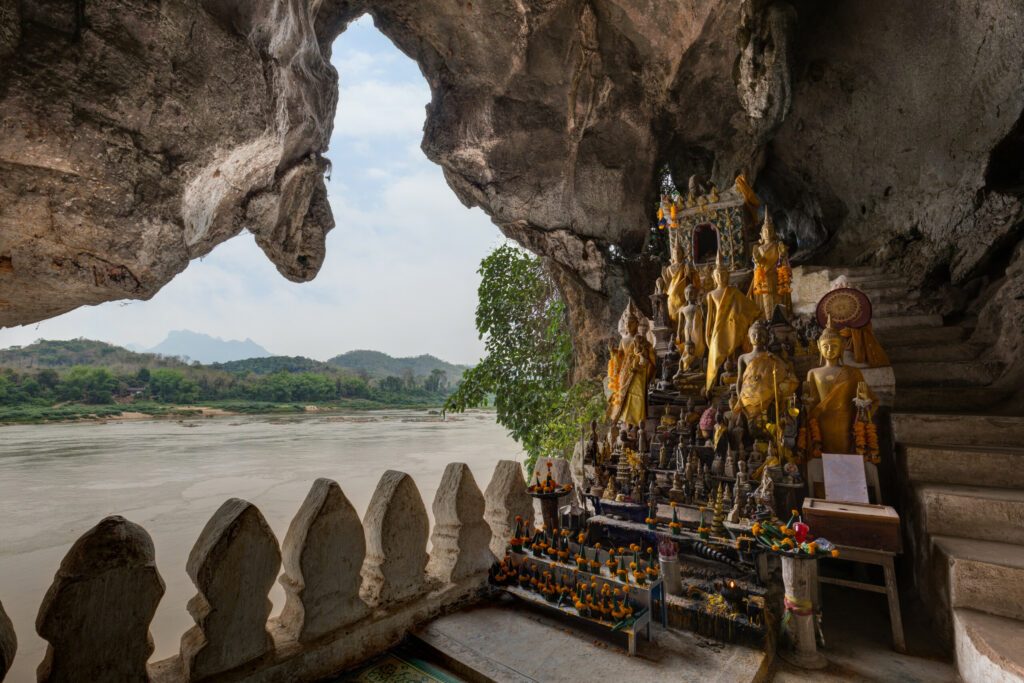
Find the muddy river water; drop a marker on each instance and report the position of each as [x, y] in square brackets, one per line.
[57, 481]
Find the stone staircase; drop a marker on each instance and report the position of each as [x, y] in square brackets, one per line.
[937, 368]
[964, 512]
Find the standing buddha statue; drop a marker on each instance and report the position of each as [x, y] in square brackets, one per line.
[690, 327]
[675, 278]
[832, 389]
[630, 369]
[729, 315]
[773, 276]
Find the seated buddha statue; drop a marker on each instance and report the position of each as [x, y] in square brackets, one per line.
[832, 389]
[690, 376]
[763, 379]
[729, 315]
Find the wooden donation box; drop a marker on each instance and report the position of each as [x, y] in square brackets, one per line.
[861, 525]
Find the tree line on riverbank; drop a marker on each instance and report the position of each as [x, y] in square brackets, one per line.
[60, 379]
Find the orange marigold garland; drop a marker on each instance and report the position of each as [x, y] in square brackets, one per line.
[815, 438]
[760, 280]
[785, 275]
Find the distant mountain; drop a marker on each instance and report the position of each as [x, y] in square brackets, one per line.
[378, 365]
[196, 346]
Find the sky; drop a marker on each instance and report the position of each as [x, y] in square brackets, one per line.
[400, 273]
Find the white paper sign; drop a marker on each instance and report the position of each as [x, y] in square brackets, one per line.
[844, 477]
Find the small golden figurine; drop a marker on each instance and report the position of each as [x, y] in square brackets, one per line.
[764, 379]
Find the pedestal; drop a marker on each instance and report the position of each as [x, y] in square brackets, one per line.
[798, 581]
[549, 512]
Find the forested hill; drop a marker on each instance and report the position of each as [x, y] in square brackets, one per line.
[69, 353]
[271, 364]
[377, 365]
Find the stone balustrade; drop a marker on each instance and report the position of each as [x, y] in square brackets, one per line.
[353, 588]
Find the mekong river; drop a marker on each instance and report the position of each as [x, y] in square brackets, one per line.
[57, 481]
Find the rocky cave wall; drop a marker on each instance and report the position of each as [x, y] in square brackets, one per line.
[138, 135]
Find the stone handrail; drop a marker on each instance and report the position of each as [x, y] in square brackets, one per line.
[352, 588]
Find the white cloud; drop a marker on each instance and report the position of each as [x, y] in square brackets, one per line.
[376, 109]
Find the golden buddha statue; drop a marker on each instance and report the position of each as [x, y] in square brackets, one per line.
[630, 370]
[773, 277]
[675, 278]
[832, 389]
[764, 379]
[729, 314]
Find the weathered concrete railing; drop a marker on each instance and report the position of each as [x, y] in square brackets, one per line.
[353, 589]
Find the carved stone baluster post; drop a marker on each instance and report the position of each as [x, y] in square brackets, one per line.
[459, 546]
[8, 643]
[323, 555]
[396, 528]
[505, 499]
[233, 564]
[97, 611]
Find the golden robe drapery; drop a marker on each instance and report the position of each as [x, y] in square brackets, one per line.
[836, 411]
[726, 328]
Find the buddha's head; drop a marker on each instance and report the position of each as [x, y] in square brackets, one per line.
[678, 254]
[830, 343]
[758, 334]
[768, 228]
[721, 274]
[691, 294]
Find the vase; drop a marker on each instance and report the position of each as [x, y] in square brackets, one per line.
[798, 578]
[673, 581]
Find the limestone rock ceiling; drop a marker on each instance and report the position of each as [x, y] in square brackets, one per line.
[138, 135]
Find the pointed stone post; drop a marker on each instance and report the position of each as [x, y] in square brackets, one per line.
[506, 497]
[460, 544]
[323, 554]
[8, 643]
[97, 612]
[396, 527]
[233, 564]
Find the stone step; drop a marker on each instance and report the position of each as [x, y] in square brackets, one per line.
[983, 575]
[889, 307]
[936, 352]
[989, 514]
[963, 373]
[899, 293]
[988, 647]
[917, 336]
[955, 400]
[971, 466]
[867, 281]
[853, 271]
[963, 430]
[914, 320]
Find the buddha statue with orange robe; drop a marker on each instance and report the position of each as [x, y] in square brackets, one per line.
[773, 277]
[729, 315]
[630, 370]
[832, 389]
[675, 278]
